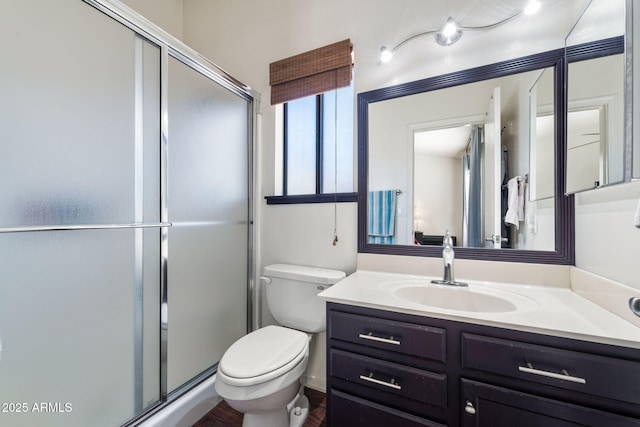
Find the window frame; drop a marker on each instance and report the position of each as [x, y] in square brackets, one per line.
[318, 196]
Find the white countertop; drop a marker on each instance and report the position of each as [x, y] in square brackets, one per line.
[541, 309]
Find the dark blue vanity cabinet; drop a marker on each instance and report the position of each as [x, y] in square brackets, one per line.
[392, 369]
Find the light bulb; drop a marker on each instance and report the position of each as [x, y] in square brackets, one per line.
[449, 28]
[449, 33]
[385, 55]
[532, 7]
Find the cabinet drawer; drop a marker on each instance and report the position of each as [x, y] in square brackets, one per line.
[411, 383]
[347, 410]
[602, 376]
[400, 337]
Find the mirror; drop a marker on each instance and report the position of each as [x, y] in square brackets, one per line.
[596, 153]
[542, 125]
[453, 162]
[595, 123]
[487, 107]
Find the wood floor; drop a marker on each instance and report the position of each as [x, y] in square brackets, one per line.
[225, 416]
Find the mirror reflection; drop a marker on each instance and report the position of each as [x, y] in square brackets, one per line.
[459, 159]
[595, 111]
[542, 137]
[595, 123]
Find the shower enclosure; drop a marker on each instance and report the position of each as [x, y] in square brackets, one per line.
[125, 214]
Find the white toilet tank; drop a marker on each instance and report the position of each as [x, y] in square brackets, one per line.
[292, 295]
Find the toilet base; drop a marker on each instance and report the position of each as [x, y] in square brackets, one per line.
[275, 418]
[292, 415]
[299, 411]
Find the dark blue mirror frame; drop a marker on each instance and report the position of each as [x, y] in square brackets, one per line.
[564, 253]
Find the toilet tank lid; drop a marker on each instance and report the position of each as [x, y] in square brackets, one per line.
[304, 273]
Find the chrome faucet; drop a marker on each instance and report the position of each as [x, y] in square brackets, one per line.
[448, 256]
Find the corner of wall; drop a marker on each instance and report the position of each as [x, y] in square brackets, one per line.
[608, 294]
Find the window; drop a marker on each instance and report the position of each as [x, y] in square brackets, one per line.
[316, 131]
[318, 144]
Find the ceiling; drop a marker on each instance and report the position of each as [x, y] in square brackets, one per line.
[554, 20]
[449, 142]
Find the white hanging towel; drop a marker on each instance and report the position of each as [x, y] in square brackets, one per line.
[636, 220]
[515, 202]
[521, 191]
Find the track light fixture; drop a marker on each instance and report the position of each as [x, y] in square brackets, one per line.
[451, 31]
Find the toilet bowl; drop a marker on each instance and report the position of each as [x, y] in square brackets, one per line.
[256, 375]
[259, 375]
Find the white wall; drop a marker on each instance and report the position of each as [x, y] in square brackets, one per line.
[167, 14]
[438, 194]
[607, 244]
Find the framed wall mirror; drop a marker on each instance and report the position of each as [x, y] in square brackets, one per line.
[410, 164]
[597, 140]
[542, 125]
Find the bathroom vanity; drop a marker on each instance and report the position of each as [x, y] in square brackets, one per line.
[392, 361]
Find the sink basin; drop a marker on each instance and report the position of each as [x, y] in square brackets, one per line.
[474, 298]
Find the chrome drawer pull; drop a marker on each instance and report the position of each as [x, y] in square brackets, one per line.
[372, 337]
[563, 376]
[370, 378]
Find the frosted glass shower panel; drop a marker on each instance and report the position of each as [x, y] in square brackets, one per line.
[74, 98]
[208, 154]
[147, 132]
[66, 325]
[208, 203]
[207, 296]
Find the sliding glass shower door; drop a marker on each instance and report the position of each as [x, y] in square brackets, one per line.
[79, 217]
[124, 216]
[208, 205]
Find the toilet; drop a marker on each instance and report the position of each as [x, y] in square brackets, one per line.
[259, 375]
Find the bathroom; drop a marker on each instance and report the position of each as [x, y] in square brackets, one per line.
[244, 37]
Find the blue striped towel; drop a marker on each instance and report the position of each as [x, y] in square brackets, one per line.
[382, 216]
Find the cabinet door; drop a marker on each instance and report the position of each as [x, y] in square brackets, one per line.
[484, 405]
[347, 410]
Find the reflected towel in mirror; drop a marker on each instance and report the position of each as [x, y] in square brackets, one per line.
[382, 216]
[515, 209]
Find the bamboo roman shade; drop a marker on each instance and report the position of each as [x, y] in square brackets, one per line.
[310, 73]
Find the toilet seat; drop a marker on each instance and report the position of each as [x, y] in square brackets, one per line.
[263, 355]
